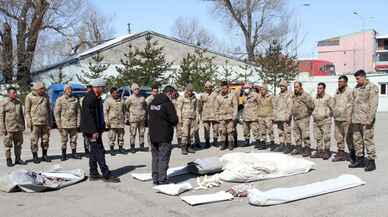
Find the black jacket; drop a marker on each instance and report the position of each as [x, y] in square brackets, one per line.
[92, 116]
[162, 119]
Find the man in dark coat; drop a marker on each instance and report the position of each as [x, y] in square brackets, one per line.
[93, 125]
[161, 122]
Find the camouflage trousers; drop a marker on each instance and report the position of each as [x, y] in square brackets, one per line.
[363, 139]
[195, 134]
[116, 134]
[266, 129]
[66, 134]
[208, 126]
[284, 129]
[302, 132]
[251, 126]
[137, 127]
[188, 130]
[322, 134]
[225, 130]
[42, 133]
[178, 130]
[15, 140]
[343, 133]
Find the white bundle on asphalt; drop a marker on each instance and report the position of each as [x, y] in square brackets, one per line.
[284, 195]
[175, 171]
[249, 167]
[173, 189]
[31, 181]
[207, 198]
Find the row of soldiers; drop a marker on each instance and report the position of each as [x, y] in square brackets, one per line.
[353, 112]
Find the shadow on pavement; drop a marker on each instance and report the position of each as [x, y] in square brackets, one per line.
[126, 169]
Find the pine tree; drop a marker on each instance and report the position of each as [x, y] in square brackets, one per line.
[226, 73]
[246, 73]
[96, 69]
[275, 65]
[60, 78]
[152, 63]
[128, 72]
[196, 68]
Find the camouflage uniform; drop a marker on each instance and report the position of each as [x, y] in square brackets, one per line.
[37, 118]
[208, 115]
[366, 99]
[114, 114]
[282, 116]
[67, 116]
[227, 108]
[322, 121]
[342, 112]
[302, 108]
[250, 115]
[187, 114]
[265, 118]
[12, 126]
[136, 112]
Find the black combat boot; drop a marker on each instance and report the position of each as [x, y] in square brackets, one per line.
[207, 144]
[279, 148]
[231, 145]
[340, 156]
[370, 165]
[63, 157]
[74, 154]
[352, 156]
[179, 141]
[35, 158]
[122, 150]
[287, 149]
[45, 157]
[19, 161]
[262, 145]
[297, 150]
[9, 162]
[306, 152]
[142, 148]
[215, 142]
[223, 146]
[272, 146]
[133, 149]
[326, 154]
[112, 151]
[317, 154]
[358, 163]
[184, 149]
[246, 144]
[190, 149]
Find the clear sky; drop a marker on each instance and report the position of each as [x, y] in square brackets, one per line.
[321, 20]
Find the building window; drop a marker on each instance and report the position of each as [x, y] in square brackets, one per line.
[383, 88]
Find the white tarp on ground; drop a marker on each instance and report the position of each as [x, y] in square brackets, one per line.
[284, 195]
[249, 167]
[207, 198]
[173, 189]
[175, 171]
[30, 181]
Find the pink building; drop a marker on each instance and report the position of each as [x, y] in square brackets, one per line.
[350, 52]
[382, 53]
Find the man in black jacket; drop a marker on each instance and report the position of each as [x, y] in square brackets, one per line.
[93, 125]
[161, 122]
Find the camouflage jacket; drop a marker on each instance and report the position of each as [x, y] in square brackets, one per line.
[323, 107]
[207, 107]
[11, 116]
[365, 103]
[302, 105]
[67, 112]
[114, 113]
[37, 109]
[227, 106]
[342, 105]
[187, 107]
[251, 106]
[135, 108]
[282, 105]
[265, 107]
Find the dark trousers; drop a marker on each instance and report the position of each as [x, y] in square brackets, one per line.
[97, 156]
[161, 153]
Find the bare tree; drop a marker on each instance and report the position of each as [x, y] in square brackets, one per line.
[256, 19]
[191, 31]
[28, 19]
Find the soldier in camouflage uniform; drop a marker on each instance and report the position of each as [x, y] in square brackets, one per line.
[136, 114]
[114, 115]
[282, 117]
[227, 107]
[67, 116]
[266, 120]
[37, 107]
[322, 122]
[365, 103]
[12, 126]
[302, 109]
[207, 112]
[250, 118]
[187, 112]
[342, 106]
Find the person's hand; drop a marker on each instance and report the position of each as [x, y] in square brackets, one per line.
[95, 136]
